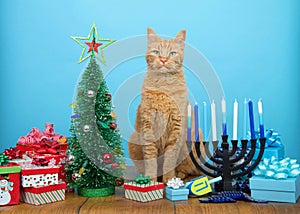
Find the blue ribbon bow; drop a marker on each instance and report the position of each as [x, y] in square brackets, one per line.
[278, 169]
[272, 138]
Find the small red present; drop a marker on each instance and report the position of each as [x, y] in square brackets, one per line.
[9, 184]
[144, 192]
[43, 195]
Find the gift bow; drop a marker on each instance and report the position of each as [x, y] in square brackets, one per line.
[272, 138]
[40, 161]
[13, 153]
[47, 146]
[278, 169]
[3, 159]
[141, 179]
[175, 183]
[36, 137]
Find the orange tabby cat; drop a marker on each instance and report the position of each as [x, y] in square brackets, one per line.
[159, 141]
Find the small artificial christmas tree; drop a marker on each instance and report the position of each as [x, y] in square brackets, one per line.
[95, 156]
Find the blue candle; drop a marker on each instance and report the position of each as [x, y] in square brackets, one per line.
[245, 120]
[250, 104]
[260, 116]
[189, 130]
[196, 122]
[205, 121]
[224, 126]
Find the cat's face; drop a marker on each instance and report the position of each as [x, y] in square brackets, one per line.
[165, 56]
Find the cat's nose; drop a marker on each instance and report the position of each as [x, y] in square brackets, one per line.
[163, 60]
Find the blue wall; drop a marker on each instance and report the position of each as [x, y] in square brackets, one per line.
[252, 46]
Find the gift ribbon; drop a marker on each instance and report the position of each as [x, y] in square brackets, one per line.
[13, 153]
[278, 169]
[3, 159]
[150, 187]
[37, 139]
[175, 183]
[141, 179]
[272, 138]
[40, 161]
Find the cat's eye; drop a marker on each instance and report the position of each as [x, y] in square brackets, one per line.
[155, 52]
[173, 53]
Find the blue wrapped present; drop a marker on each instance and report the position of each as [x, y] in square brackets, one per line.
[276, 180]
[177, 194]
[273, 147]
[277, 152]
[176, 190]
[287, 190]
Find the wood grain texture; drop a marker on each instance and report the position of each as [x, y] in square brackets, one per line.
[194, 206]
[72, 204]
[119, 204]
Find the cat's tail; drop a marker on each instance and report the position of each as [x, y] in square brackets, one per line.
[135, 148]
[136, 152]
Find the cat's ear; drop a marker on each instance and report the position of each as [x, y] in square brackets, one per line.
[180, 38]
[152, 37]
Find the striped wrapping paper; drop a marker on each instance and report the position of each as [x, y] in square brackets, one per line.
[144, 192]
[43, 195]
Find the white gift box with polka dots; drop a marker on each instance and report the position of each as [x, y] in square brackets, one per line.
[35, 176]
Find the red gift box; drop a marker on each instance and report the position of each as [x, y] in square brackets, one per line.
[43, 195]
[9, 184]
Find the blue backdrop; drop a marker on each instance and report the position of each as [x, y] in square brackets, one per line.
[251, 48]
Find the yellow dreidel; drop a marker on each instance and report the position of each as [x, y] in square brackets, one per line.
[200, 185]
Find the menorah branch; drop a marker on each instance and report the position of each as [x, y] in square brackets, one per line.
[256, 162]
[199, 165]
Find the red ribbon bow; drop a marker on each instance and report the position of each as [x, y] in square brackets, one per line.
[47, 146]
[40, 161]
[13, 153]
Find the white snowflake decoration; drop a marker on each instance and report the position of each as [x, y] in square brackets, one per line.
[62, 161]
[52, 162]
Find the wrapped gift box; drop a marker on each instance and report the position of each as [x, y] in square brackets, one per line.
[54, 159]
[34, 176]
[9, 184]
[177, 194]
[286, 190]
[25, 161]
[277, 152]
[144, 192]
[43, 195]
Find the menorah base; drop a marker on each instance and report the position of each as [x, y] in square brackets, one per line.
[225, 161]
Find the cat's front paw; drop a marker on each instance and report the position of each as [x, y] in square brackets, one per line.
[181, 175]
[168, 177]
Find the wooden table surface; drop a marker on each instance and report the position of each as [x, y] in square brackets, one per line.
[119, 204]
